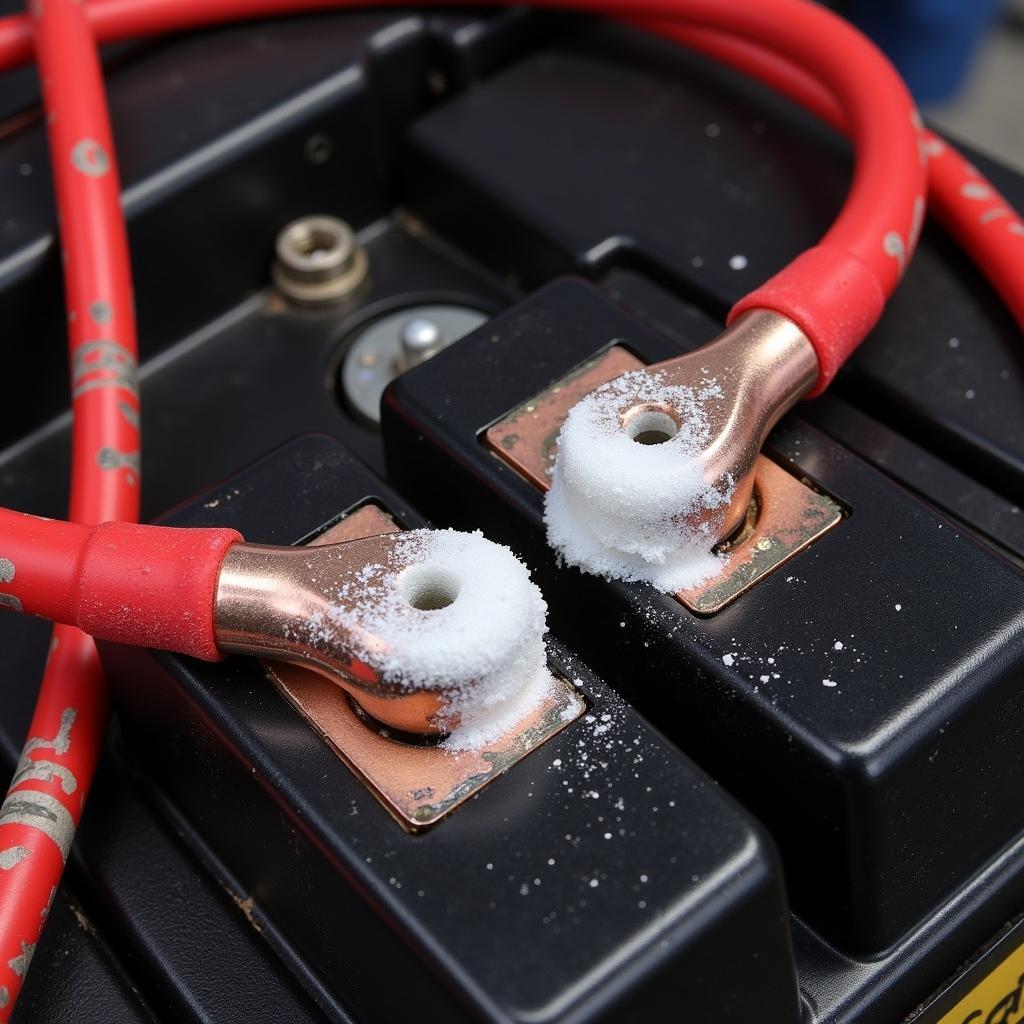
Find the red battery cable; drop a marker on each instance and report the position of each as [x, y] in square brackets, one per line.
[54, 774]
[985, 224]
[967, 205]
[973, 211]
[835, 291]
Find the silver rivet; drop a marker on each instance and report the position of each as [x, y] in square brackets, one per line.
[420, 338]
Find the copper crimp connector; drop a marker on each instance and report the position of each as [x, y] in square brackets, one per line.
[400, 620]
[267, 597]
[763, 364]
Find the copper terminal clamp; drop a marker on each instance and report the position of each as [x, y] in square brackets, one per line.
[418, 782]
[762, 364]
[353, 611]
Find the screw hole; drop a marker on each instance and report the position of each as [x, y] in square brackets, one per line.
[651, 426]
[429, 588]
[319, 149]
[312, 242]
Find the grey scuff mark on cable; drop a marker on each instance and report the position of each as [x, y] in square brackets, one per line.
[111, 458]
[19, 964]
[61, 743]
[100, 356]
[40, 770]
[37, 810]
[12, 857]
[41, 812]
[7, 571]
[100, 311]
[131, 415]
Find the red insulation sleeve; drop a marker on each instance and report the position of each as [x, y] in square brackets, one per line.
[150, 586]
[831, 296]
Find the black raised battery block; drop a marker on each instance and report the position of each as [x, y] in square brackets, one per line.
[602, 877]
[862, 699]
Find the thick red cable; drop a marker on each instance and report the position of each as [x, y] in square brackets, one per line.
[968, 205]
[835, 291]
[955, 187]
[46, 796]
[965, 203]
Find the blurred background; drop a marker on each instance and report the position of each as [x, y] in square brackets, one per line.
[963, 60]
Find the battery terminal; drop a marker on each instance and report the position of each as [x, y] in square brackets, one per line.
[777, 516]
[416, 776]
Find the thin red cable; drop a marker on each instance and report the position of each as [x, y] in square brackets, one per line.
[54, 774]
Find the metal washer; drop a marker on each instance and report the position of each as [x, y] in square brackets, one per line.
[378, 356]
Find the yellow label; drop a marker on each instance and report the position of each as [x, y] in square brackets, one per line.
[999, 999]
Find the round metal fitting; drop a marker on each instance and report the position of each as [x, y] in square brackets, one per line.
[396, 343]
[420, 338]
[318, 261]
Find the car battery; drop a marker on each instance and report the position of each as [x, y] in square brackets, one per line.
[254, 848]
[854, 675]
[574, 870]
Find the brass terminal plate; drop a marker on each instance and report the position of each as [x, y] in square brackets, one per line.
[418, 784]
[786, 515]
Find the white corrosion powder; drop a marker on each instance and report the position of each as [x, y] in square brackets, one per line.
[630, 511]
[458, 613]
